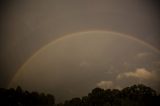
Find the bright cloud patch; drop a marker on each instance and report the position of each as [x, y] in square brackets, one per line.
[141, 73]
[105, 84]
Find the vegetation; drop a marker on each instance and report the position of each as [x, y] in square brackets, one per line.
[136, 95]
[18, 97]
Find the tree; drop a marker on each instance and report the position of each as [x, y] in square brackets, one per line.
[97, 97]
[136, 95]
[50, 99]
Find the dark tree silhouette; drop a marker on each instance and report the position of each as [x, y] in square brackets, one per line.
[136, 95]
[18, 97]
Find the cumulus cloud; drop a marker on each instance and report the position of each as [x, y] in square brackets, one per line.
[105, 84]
[141, 73]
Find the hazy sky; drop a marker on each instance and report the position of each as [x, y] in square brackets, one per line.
[28, 25]
[73, 65]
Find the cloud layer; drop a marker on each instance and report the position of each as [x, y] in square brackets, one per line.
[105, 84]
[140, 73]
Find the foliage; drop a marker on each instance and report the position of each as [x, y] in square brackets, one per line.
[136, 95]
[18, 97]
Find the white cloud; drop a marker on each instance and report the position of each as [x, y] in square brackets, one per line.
[140, 73]
[105, 84]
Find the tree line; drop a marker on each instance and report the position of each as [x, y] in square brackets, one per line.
[18, 97]
[136, 95]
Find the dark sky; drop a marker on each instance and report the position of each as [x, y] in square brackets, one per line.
[29, 25]
[74, 64]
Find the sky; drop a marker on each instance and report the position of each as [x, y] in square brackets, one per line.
[79, 44]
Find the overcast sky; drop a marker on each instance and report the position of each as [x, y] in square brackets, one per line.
[28, 25]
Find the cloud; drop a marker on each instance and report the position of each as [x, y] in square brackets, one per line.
[105, 84]
[143, 54]
[156, 63]
[84, 64]
[140, 73]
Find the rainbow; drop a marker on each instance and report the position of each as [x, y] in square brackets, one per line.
[77, 34]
